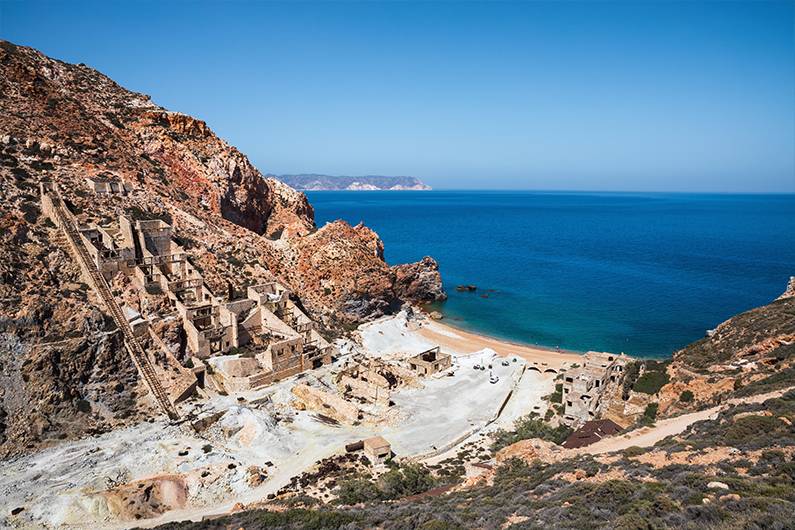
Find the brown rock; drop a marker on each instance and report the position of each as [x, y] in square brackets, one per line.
[419, 281]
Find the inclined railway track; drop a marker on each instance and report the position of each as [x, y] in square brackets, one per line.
[67, 223]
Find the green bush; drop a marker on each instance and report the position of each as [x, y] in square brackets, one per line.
[686, 396]
[649, 415]
[743, 430]
[651, 382]
[631, 372]
[526, 428]
[634, 450]
[397, 483]
[83, 406]
[632, 521]
[358, 490]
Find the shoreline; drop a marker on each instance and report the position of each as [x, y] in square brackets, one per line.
[466, 342]
[424, 311]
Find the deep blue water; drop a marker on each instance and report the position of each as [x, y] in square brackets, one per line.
[644, 274]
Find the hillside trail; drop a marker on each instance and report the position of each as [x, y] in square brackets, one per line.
[648, 436]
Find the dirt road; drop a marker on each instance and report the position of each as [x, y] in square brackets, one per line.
[648, 436]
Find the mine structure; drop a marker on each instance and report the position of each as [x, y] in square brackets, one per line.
[430, 361]
[584, 387]
[286, 342]
[54, 206]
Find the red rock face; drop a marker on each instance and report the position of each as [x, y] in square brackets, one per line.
[104, 128]
[342, 268]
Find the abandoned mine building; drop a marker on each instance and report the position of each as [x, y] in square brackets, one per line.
[377, 449]
[286, 341]
[430, 361]
[584, 387]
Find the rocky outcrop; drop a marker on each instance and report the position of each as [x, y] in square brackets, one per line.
[327, 404]
[342, 268]
[142, 499]
[419, 281]
[790, 292]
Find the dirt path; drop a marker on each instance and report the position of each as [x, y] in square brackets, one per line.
[648, 436]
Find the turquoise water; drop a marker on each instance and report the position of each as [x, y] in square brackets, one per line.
[644, 274]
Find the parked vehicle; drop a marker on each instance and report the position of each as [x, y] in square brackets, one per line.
[505, 362]
[493, 379]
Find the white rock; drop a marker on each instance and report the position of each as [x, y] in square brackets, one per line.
[718, 485]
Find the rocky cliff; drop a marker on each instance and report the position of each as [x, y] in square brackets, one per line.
[366, 183]
[68, 123]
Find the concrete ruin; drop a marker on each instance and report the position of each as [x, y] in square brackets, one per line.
[584, 387]
[430, 362]
[106, 186]
[377, 449]
[373, 380]
[285, 339]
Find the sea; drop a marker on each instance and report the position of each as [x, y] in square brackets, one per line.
[640, 273]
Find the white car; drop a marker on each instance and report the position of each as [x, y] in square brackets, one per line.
[493, 379]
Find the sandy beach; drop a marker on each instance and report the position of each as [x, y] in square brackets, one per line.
[457, 341]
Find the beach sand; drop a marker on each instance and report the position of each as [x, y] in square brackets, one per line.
[454, 340]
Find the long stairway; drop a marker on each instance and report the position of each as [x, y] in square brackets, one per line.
[67, 223]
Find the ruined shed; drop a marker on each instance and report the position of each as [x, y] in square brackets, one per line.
[377, 449]
[430, 361]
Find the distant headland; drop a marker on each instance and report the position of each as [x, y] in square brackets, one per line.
[314, 182]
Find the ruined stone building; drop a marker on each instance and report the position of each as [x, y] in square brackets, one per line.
[584, 387]
[286, 340]
[106, 186]
[377, 449]
[430, 361]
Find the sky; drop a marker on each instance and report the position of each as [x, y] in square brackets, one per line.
[605, 96]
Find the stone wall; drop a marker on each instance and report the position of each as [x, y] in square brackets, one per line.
[337, 408]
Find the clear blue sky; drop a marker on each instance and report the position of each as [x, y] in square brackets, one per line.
[634, 96]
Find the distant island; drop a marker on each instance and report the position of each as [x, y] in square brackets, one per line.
[369, 182]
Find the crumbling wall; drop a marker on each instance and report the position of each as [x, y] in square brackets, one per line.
[327, 404]
[371, 392]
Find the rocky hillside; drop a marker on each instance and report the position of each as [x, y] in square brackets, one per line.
[66, 123]
[369, 182]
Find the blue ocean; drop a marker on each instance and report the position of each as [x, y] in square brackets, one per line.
[640, 273]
